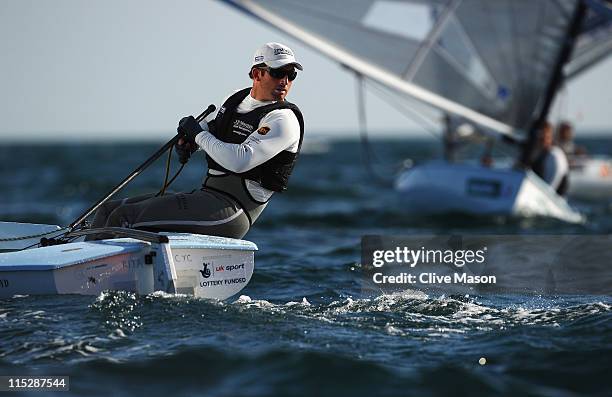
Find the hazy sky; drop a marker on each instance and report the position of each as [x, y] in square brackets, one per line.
[131, 68]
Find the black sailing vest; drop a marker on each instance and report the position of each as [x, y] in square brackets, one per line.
[232, 127]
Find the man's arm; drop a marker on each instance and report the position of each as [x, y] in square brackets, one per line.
[259, 147]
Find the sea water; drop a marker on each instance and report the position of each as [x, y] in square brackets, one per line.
[303, 326]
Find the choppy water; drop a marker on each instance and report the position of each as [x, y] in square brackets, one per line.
[303, 325]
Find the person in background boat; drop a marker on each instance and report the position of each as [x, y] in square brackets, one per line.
[565, 140]
[551, 162]
[251, 148]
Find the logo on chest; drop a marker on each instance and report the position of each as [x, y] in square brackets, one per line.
[241, 128]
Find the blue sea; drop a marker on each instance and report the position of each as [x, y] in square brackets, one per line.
[303, 326]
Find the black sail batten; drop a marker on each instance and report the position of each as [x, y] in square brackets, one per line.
[554, 84]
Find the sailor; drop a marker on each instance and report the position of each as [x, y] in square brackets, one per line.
[565, 140]
[551, 162]
[251, 148]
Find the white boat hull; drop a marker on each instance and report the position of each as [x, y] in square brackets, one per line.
[591, 179]
[203, 266]
[439, 187]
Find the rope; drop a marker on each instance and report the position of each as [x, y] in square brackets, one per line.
[426, 124]
[175, 175]
[165, 185]
[161, 192]
[366, 151]
[32, 235]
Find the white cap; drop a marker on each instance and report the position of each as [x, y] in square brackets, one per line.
[275, 55]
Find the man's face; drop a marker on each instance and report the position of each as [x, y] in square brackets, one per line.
[565, 133]
[546, 136]
[271, 88]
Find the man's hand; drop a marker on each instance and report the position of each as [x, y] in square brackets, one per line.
[184, 150]
[188, 128]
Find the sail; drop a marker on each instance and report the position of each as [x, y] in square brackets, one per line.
[594, 43]
[488, 61]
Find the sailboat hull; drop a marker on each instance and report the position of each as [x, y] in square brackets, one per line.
[202, 266]
[439, 187]
[591, 179]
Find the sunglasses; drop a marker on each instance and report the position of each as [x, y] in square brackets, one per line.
[281, 73]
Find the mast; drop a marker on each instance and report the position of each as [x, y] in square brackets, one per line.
[555, 82]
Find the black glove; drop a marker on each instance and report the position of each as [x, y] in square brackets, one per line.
[184, 151]
[188, 127]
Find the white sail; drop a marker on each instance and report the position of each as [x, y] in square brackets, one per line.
[488, 61]
[496, 63]
[594, 43]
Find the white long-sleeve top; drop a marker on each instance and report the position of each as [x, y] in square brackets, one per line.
[556, 167]
[283, 134]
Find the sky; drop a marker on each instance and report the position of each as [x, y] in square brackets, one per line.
[130, 69]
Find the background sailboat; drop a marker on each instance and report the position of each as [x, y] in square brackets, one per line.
[494, 64]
